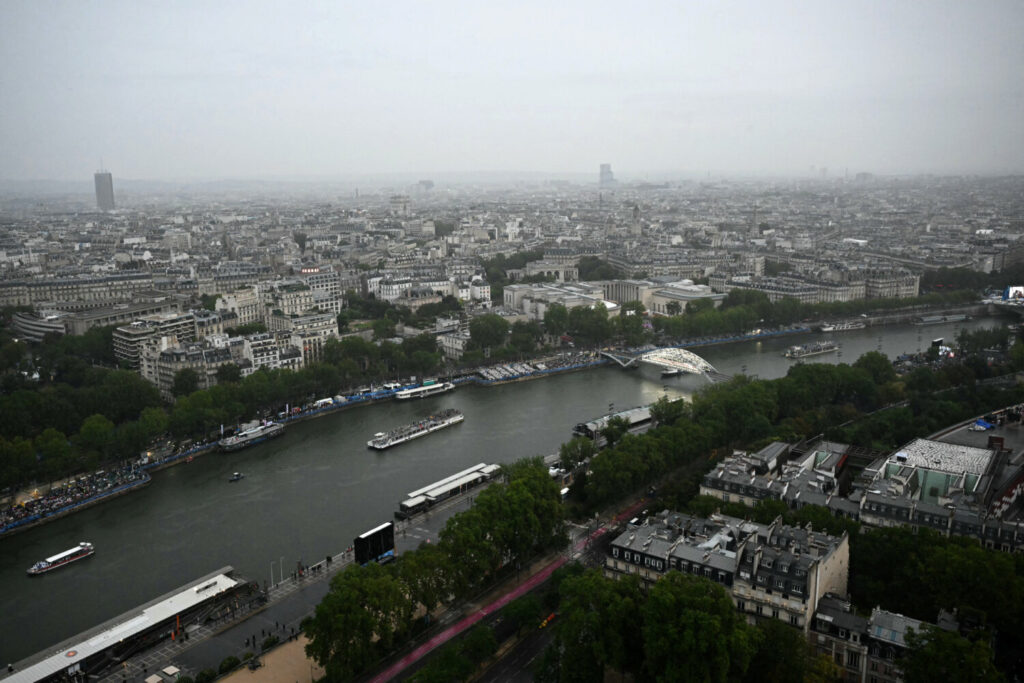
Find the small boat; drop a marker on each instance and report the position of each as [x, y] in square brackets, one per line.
[79, 552]
[237, 476]
[671, 372]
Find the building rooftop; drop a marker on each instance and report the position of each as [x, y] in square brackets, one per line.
[945, 457]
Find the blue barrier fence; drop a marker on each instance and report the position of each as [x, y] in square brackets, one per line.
[77, 504]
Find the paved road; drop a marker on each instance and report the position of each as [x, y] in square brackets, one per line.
[517, 665]
[580, 541]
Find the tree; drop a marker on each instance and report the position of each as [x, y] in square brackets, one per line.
[186, 381]
[96, 434]
[524, 336]
[362, 613]
[781, 656]
[229, 372]
[479, 643]
[823, 669]
[556, 319]
[692, 632]
[631, 329]
[488, 331]
[590, 325]
[614, 430]
[425, 573]
[300, 239]
[666, 412]
[54, 453]
[599, 627]
[876, 365]
[247, 329]
[17, 461]
[383, 328]
[673, 308]
[575, 451]
[524, 611]
[593, 268]
[209, 301]
[938, 655]
[228, 664]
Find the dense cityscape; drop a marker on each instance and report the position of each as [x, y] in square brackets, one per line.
[558, 342]
[233, 315]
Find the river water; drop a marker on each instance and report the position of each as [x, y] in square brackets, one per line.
[310, 492]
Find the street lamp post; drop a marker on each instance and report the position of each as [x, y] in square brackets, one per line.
[281, 567]
[271, 573]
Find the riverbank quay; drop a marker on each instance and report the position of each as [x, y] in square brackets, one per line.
[36, 519]
[574, 361]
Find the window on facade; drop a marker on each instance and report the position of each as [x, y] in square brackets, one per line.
[853, 659]
[760, 610]
[626, 556]
[775, 614]
[615, 552]
[842, 633]
[794, 620]
[780, 584]
[741, 606]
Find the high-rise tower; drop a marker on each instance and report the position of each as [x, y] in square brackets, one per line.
[104, 190]
[606, 178]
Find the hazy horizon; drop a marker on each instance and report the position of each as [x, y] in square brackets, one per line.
[325, 92]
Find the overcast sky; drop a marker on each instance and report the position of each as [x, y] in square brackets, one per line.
[209, 90]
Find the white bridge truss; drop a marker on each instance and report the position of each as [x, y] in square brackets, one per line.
[678, 359]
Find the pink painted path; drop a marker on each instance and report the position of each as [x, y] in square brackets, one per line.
[460, 626]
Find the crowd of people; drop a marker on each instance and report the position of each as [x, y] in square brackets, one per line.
[71, 492]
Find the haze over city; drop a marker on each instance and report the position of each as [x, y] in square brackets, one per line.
[334, 91]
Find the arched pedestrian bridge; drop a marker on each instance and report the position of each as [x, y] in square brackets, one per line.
[668, 359]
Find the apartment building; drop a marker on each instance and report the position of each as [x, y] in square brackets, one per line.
[769, 570]
[129, 339]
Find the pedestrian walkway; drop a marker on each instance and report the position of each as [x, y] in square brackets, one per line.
[286, 604]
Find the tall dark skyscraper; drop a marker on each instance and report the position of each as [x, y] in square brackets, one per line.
[104, 190]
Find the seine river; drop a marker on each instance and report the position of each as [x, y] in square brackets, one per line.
[310, 492]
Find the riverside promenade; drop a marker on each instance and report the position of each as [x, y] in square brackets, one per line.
[288, 601]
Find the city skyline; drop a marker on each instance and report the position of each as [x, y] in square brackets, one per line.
[327, 92]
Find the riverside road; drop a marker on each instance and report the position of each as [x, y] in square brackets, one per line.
[310, 492]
